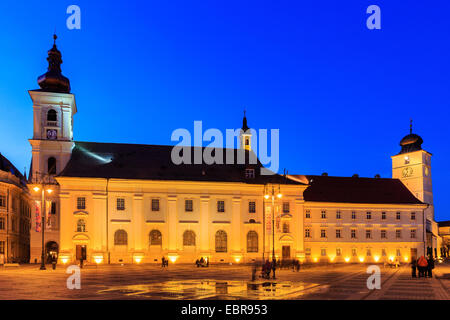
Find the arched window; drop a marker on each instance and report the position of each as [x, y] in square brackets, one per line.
[51, 115]
[120, 238]
[221, 241]
[155, 238]
[252, 241]
[51, 164]
[81, 225]
[189, 238]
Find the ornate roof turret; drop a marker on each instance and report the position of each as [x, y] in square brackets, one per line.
[411, 142]
[53, 80]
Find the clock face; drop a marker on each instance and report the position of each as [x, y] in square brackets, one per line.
[407, 172]
[51, 134]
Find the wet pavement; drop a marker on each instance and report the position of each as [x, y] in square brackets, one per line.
[219, 282]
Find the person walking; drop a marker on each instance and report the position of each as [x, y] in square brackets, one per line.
[413, 267]
[430, 266]
[422, 265]
[274, 267]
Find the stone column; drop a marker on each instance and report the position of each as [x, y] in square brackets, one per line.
[298, 219]
[137, 222]
[236, 222]
[172, 223]
[204, 226]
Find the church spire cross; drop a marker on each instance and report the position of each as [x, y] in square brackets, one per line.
[410, 126]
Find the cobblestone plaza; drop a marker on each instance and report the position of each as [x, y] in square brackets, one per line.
[332, 282]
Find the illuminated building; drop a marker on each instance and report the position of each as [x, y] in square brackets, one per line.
[15, 214]
[129, 203]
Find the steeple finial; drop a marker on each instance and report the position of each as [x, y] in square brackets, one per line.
[244, 122]
[54, 38]
[410, 126]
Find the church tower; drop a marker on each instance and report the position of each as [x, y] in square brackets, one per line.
[53, 108]
[246, 135]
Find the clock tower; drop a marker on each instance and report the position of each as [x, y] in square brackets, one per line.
[52, 143]
[412, 165]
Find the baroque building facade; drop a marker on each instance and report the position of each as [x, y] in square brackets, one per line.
[129, 203]
[15, 214]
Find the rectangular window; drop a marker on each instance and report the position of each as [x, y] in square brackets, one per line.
[323, 233]
[383, 252]
[353, 233]
[368, 215]
[338, 214]
[413, 233]
[155, 204]
[399, 253]
[383, 234]
[220, 206]
[120, 204]
[252, 207]
[368, 234]
[307, 233]
[338, 233]
[323, 252]
[81, 203]
[354, 252]
[353, 215]
[338, 252]
[398, 215]
[324, 214]
[53, 208]
[308, 214]
[2, 223]
[249, 173]
[383, 215]
[413, 216]
[188, 205]
[2, 200]
[307, 251]
[369, 253]
[398, 233]
[2, 247]
[285, 207]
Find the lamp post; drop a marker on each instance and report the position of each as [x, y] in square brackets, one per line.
[42, 189]
[271, 194]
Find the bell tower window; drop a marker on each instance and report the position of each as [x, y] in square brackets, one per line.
[51, 115]
[51, 163]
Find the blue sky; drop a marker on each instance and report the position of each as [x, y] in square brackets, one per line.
[341, 95]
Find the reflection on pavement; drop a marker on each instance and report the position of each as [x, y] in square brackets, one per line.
[213, 289]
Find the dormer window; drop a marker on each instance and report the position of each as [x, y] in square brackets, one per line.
[249, 173]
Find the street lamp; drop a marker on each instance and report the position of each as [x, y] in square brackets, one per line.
[42, 189]
[271, 194]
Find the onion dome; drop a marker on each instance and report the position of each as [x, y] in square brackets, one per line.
[244, 123]
[411, 142]
[53, 80]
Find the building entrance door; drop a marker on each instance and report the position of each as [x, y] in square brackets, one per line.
[286, 252]
[81, 252]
